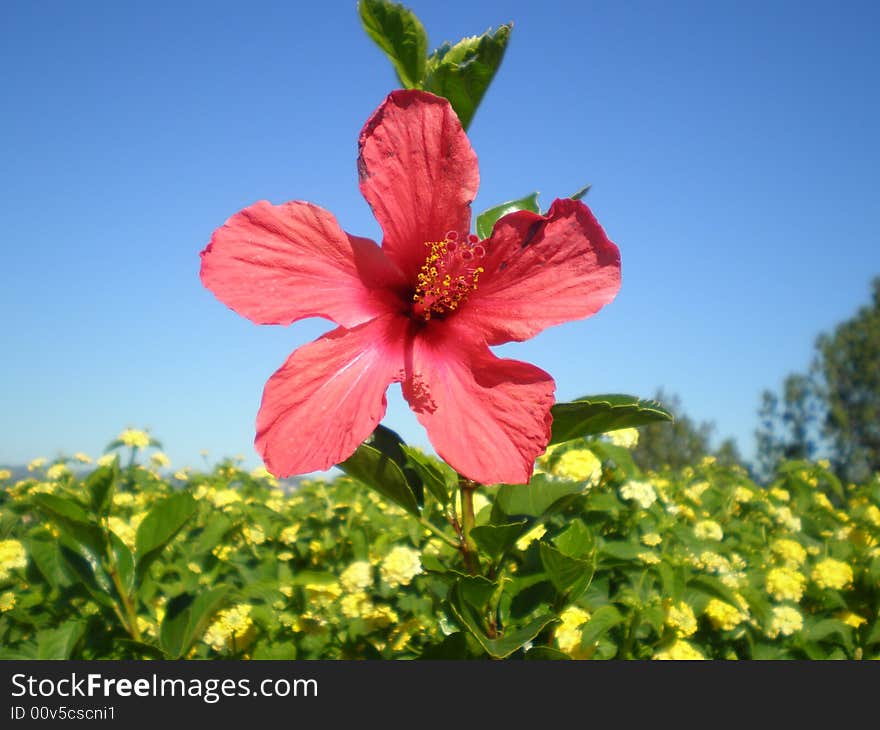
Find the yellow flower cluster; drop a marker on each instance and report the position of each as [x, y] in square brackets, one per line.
[679, 650]
[708, 530]
[640, 492]
[13, 556]
[579, 465]
[831, 573]
[400, 566]
[57, 471]
[785, 517]
[651, 539]
[568, 633]
[628, 438]
[5, 474]
[785, 584]
[357, 577]
[37, 463]
[253, 534]
[852, 619]
[159, 460]
[7, 601]
[722, 615]
[789, 551]
[359, 605]
[126, 530]
[134, 438]
[784, 621]
[231, 629]
[680, 617]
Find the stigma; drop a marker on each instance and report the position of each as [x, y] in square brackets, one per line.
[450, 273]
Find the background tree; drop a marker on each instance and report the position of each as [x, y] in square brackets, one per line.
[848, 361]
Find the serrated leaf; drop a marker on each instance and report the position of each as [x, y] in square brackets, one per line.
[437, 476]
[488, 218]
[58, 643]
[381, 473]
[462, 72]
[509, 642]
[597, 414]
[570, 576]
[401, 35]
[159, 527]
[186, 619]
[536, 497]
[390, 444]
[495, 540]
[576, 540]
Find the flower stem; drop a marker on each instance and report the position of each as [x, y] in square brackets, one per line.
[468, 547]
[438, 532]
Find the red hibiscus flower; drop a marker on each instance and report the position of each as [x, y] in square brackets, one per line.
[422, 310]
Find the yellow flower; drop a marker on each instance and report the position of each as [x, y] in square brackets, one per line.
[821, 500]
[223, 497]
[56, 471]
[851, 619]
[37, 463]
[5, 474]
[783, 495]
[790, 551]
[783, 515]
[222, 552]
[232, 628]
[580, 465]
[831, 573]
[322, 593]
[106, 459]
[82, 458]
[679, 650]
[649, 557]
[13, 556]
[134, 438]
[357, 577]
[641, 492]
[536, 533]
[722, 615]
[194, 568]
[628, 438]
[253, 534]
[651, 539]
[741, 495]
[695, 491]
[708, 530]
[400, 566]
[784, 621]
[288, 535]
[160, 460]
[355, 605]
[785, 584]
[569, 633]
[7, 601]
[680, 617]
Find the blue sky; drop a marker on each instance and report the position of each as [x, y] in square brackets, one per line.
[732, 148]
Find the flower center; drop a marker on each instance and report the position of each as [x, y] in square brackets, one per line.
[450, 272]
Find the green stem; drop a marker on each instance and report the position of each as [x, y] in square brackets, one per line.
[130, 613]
[438, 532]
[468, 547]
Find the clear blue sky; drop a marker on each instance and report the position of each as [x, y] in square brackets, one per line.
[732, 146]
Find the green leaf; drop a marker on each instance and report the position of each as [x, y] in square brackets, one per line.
[376, 470]
[828, 628]
[186, 619]
[581, 193]
[597, 414]
[124, 562]
[544, 653]
[47, 557]
[390, 444]
[73, 521]
[436, 475]
[575, 541]
[536, 497]
[462, 73]
[621, 550]
[160, 526]
[714, 588]
[58, 643]
[601, 621]
[476, 590]
[499, 647]
[494, 540]
[279, 651]
[88, 573]
[453, 646]
[570, 576]
[400, 34]
[488, 218]
[100, 485]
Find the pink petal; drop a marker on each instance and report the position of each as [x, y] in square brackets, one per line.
[275, 264]
[419, 174]
[541, 271]
[487, 418]
[329, 396]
